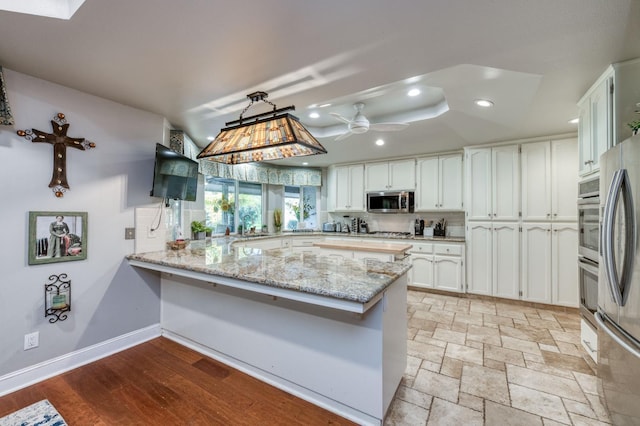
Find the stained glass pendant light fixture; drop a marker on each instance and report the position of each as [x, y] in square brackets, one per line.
[273, 135]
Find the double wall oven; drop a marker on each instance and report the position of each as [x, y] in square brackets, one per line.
[588, 246]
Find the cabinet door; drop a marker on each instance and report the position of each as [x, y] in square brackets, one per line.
[356, 188]
[342, 188]
[402, 175]
[450, 178]
[506, 260]
[377, 176]
[422, 271]
[584, 138]
[331, 189]
[564, 180]
[564, 251]
[382, 257]
[478, 187]
[536, 181]
[479, 258]
[428, 179]
[536, 262]
[447, 273]
[505, 179]
[601, 121]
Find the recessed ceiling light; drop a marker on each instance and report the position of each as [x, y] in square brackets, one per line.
[379, 142]
[413, 92]
[305, 164]
[574, 121]
[324, 105]
[210, 138]
[483, 103]
[314, 115]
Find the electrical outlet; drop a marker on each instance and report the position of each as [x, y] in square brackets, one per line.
[31, 340]
[151, 233]
[129, 233]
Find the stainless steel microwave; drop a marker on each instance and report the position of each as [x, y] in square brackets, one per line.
[390, 202]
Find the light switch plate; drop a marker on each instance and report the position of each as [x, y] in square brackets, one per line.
[129, 233]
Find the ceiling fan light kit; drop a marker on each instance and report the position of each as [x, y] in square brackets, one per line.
[360, 124]
[272, 135]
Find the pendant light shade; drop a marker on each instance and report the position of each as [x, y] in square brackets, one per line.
[273, 135]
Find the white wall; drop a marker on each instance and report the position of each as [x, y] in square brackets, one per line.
[109, 298]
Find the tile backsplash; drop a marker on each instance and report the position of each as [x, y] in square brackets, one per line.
[403, 222]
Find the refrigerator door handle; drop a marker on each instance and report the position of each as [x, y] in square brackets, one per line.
[607, 236]
[602, 322]
[629, 238]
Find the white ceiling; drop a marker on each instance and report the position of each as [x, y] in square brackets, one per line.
[194, 62]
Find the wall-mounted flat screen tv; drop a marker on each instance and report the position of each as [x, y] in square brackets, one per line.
[175, 176]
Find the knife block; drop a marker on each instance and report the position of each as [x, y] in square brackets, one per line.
[438, 232]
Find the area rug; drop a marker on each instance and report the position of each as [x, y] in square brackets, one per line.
[39, 414]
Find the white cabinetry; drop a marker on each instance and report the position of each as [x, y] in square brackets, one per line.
[397, 175]
[439, 183]
[549, 269]
[437, 265]
[549, 180]
[589, 338]
[346, 188]
[493, 259]
[493, 183]
[596, 123]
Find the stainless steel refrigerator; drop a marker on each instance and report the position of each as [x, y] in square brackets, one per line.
[618, 314]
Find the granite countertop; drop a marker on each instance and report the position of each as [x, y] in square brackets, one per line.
[332, 276]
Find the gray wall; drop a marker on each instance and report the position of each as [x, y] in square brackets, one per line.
[109, 298]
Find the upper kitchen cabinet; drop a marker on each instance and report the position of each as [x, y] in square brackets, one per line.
[595, 127]
[493, 183]
[399, 175]
[605, 110]
[345, 192]
[549, 180]
[439, 183]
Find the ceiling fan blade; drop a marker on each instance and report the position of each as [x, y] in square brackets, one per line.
[339, 117]
[343, 136]
[388, 127]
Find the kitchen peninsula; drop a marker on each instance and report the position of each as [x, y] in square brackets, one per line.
[328, 329]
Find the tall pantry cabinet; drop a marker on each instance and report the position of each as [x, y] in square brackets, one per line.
[549, 229]
[493, 201]
[522, 239]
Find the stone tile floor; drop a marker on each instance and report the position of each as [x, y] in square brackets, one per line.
[481, 362]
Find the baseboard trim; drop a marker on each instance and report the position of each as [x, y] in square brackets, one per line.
[277, 382]
[36, 373]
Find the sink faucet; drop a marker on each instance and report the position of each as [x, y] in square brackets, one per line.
[244, 223]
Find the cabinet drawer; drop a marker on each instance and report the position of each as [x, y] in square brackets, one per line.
[448, 249]
[422, 248]
[589, 339]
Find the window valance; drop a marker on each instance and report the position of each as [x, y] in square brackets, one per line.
[6, 118]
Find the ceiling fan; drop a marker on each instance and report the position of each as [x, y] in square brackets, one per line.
[359, 123]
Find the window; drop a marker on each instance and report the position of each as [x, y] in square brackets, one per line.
[219, 203]
[229, 204]
[250, 205]
[300, 207]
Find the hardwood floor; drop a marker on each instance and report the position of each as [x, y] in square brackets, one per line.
[162, 382]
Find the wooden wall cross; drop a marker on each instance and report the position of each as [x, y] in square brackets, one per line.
[60, 142]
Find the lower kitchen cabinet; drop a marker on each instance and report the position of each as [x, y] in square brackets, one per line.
[437, 265]
[549, 269]
[493, 259]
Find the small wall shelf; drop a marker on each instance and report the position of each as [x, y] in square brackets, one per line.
[57, 298]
